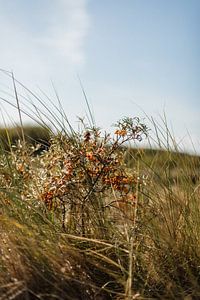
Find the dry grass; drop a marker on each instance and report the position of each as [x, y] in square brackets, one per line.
[91, 219]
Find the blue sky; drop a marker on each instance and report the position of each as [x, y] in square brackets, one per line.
[131, 55]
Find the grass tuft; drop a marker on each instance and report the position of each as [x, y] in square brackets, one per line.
[87, 217]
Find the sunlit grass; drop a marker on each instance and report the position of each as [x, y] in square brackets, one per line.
[88, 217]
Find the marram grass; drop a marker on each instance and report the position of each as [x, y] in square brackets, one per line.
[89, 218]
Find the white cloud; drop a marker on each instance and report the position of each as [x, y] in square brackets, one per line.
[67, 31]
[49, 39]
[43, 41]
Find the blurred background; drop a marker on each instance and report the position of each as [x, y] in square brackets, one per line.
[133, 57]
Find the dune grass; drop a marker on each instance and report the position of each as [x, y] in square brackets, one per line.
[91, 218]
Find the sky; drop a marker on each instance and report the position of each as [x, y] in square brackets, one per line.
[133, 57]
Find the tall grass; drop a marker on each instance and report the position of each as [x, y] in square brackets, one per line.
[90, 218]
